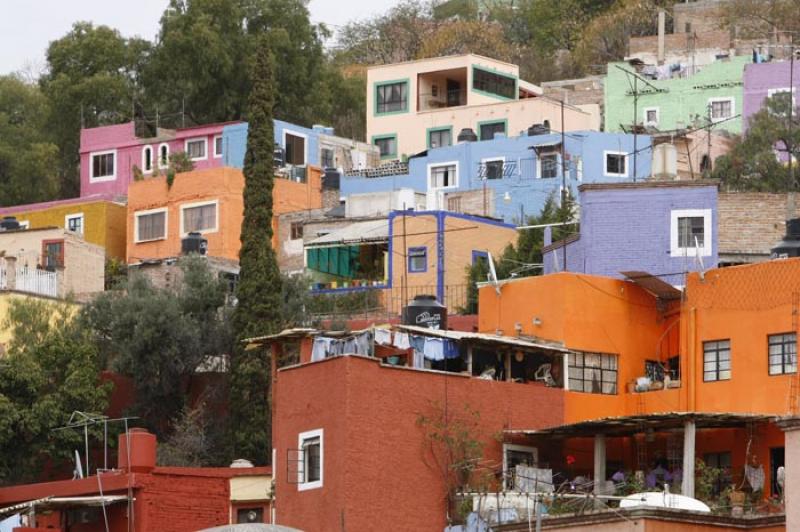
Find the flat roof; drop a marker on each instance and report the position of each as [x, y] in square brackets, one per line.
[354, 233]
[651, 184]
[441, 57]
[509, 341]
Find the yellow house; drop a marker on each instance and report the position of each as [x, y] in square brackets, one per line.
[98, 219]
[6, 299]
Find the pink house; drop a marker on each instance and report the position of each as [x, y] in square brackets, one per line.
[109, 153]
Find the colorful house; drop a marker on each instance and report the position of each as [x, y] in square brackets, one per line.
[208, 202]
[418, 104]
[512, 177]
[664, 228]
[764, 80]
[712, 96]
[99, 220]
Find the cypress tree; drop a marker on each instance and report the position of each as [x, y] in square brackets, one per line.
[258, 311]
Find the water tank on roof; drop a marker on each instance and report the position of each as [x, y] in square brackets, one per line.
[136, 451]
[9, 223]
[790, 245]
[425, 311]
[665, 161]
[194, 243]
[539, 129]
[466, 135]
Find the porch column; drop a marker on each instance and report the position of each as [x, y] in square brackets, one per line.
[791, 486]
[688, 458]
[599, 465]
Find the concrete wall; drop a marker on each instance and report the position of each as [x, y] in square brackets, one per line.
[382, 203]
[759, 79]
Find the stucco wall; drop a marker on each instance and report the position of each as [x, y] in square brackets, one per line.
[759, 79]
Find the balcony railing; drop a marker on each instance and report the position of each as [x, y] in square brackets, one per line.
[442, 99]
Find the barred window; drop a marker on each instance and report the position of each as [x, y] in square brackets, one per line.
[717, 360]
[782, 353]
[593, 373]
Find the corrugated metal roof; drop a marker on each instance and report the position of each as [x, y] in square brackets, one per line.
[515, 341]
[355, 233]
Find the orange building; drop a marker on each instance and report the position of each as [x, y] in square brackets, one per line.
[209, 202]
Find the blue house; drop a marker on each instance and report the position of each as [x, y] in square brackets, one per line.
[512, 177]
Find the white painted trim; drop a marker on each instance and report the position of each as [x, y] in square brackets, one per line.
[152, 159]
[138, 214]
[185, 206]
[158, 156]
[214, 147]
[301, 485]
[205, 147]
[24, 224]
[606, 173]
[431, 166]
[92, 177]
[539, 164]
[69, 217]
[650, 122]
[676, 251]
[514, 447]
[305, 144]
[727, 99]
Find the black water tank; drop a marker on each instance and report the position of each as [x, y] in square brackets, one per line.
[790, 245]
[194, 243]
[467, 135]
[331, 179]
[9, 223]
[539, 129]
[425, 311]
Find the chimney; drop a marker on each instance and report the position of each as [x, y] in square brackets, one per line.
[662, 22]
[140, 456]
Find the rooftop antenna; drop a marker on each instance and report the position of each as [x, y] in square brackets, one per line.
[492, 273]
[83, 420]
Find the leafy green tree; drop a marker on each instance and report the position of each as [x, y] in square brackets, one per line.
[259, 308]
[51, 369]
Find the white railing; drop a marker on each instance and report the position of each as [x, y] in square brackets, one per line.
[37, 281]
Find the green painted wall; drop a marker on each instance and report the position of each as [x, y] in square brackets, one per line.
[683, 100]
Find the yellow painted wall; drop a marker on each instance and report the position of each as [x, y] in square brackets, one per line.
[5, 302]
[250, 488]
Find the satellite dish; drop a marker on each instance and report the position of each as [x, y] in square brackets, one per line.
[492, 273]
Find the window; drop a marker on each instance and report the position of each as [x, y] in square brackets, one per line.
[53, 254]
[782, 353]
[151, 225]
[196, 149]
[438, 138]
[218, 146]
[592, 373]
[781, 100]
[651, 116]
[690, 233]
[74, 223]
[327, 158]
[454, 204]
[443, 175]
[295, 146]
[387, 145]
[495, 84]
[721, 461]
[418, 260]
[311, 450]
[199, 217]
[296, 230]
[514, 455]
[616, 164]
[717, 360]
[391, 97]
[548, 166]
[721, 108]
[250, 515]
[163, 156]
[492, 168]
[103, 166]
[487, 131]
[147, 159]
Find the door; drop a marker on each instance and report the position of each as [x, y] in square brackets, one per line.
[776, 460]
[454, 93]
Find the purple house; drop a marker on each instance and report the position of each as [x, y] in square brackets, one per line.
[762, 80]
[109, 153]
[664, 228]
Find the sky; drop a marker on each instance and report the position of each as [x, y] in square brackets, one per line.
[28, 26]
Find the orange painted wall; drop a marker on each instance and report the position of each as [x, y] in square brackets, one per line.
[223, 184]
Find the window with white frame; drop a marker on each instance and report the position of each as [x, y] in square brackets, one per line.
[721, 108]
[199, 217]
[147, 159]
[218, 146]
[103, 166]
[782, 353]
[690, 233]
[443, 175]
[310, 472]
[514, 455]
[616, 163]
[548, 165]
[163, 156]
[151, 225]
[651, 116]
[74, 223]
[196, 149]
[717, 360]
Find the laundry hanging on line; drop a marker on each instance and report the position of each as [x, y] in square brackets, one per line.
[326, 346]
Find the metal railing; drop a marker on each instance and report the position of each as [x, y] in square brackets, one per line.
[37, 281]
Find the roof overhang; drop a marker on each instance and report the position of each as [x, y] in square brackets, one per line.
[511, 342]
[653, 285]
[62, 502]
[369, 232]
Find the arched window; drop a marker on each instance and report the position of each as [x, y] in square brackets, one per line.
[163, 156]
[147, 159]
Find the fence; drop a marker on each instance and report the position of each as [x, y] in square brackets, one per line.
[27, 279]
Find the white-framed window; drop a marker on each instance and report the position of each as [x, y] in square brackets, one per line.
[197, 149]
[147, 159]
[443, 175]
[103, 166]
[217, 146]
[296, 146]
[150, 225]
[690, 231]
[493, 168]
[547, 166]
[514, 455]
[201, 217]
[784, 91]
[310, 473]
[615, 163]
[721, 108]
[163, 156]
[651, 116]
[74, 223]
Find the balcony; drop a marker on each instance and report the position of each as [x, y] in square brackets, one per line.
[442, 89]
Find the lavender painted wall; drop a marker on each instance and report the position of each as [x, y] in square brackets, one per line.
[632, 227]
[760, 78]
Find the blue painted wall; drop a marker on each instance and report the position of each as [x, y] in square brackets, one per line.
[527, 191]
[234, 142]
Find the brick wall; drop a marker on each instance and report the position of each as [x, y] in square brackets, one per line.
[751, 223]
[290, 251]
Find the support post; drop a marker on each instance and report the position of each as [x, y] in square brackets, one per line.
[469, 359]
[507, 365]
[791, 487]
[599, 465]
[688, 458]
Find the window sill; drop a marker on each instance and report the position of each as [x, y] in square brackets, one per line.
[305, 486]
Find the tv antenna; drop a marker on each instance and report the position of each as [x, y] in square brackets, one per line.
[83, 420]
[492, 273]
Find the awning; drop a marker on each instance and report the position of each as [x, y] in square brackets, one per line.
[542, 145]
[654, 285]
[493, 339]
[356, 233]
[63, 502]
[629, 425]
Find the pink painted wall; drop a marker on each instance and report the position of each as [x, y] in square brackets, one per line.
[122, 139]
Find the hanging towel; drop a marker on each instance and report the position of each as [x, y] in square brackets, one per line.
[417, 342]
[434, 349]
[451, 349]
[419, 359]
[755, 476]
[383, 336]
[401, 340]
[363, 344]
[320, 348]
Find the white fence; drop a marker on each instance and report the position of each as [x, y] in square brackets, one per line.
[37, 281]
